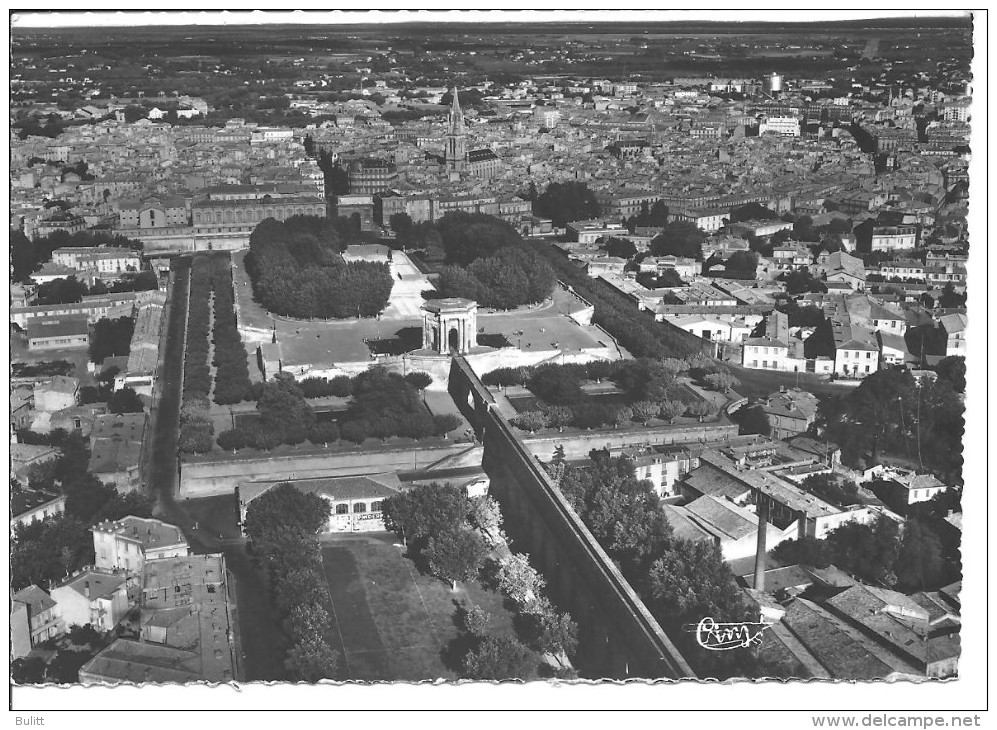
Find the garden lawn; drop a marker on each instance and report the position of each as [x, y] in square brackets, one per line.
[393, 622]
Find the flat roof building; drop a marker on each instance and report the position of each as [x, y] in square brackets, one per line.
[186, 617]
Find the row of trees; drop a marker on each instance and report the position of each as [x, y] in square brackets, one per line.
[50, 549]
[282, 525]
[508, 278]
[637, 331]
[384, 404]
[598, 415]
[231, 367]
[908, 559]
[648, 386]
[196, 373]
[892, 412]
[211, 280]
[655, 216]
[297, 271]
[640, 377]
[680, 581]
[197, 432]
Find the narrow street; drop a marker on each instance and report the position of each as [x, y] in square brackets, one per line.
[162, 467]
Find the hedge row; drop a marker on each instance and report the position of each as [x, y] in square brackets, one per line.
[212, 273]
[412, 425]
[341, 385]
[595, 370]
[598, 415]
[231, 368]
[196, 373]
[197, 432]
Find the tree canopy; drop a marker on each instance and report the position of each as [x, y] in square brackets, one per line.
[467, 237]
[679, 581]
[282, 406]
[296, 270]
[752, 211]
[505, 279]
[741, 265]
[111, 337]
[653, 216]
[27, 255]
[427, 510]
[125, 400]
[953, 369]
[679, 238]
[752, 419]
[498, 658]
[623, 248]
[285, 511]
[455, 554]
[890, 411]
[566, 202]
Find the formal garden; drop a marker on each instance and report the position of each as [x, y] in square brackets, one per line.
[376, 404]
[603, 394]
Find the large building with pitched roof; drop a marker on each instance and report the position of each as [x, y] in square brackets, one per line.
[355, 501]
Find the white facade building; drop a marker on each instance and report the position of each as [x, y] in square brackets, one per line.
[129, 542]
[784, 126]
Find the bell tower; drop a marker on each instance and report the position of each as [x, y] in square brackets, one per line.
[456, 141]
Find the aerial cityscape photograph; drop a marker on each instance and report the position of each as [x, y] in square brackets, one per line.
[400, 350]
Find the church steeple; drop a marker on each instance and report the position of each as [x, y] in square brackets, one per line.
[456, 141]
[456, 115]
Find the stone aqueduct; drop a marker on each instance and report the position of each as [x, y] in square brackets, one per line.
[618, 637]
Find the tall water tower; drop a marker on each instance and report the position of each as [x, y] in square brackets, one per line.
[775, 84]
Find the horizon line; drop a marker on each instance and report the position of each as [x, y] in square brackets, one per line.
[34, 20]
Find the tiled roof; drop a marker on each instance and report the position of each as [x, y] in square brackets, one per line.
[334, 488]
[100, 584]
[723, 518]
[35, 598]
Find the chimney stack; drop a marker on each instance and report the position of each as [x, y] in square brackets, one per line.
[763, 519]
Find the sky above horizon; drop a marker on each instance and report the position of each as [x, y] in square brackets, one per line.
[109, 18]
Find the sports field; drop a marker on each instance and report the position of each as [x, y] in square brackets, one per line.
[393, 622]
